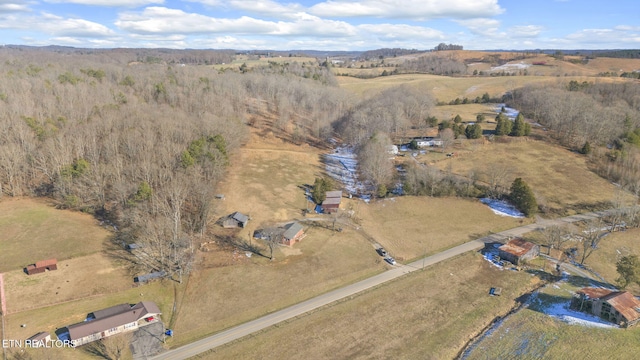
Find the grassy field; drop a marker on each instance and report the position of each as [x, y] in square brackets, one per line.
[34, 230]
[467, 112]
[444, 88]
[611, 248]
[266, 182]
[75, 278]
[408, 226]
[229, 295]
[554, 173]
[426, 315]
[531, 334]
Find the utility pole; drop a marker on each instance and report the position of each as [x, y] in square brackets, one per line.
[424, 257]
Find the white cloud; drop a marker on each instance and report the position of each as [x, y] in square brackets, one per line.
[160, 20]
[525, 31]
[408, 9]
[627, 28]
[108, 3]
[13, 6]
[403, 33]
[57, 25]
[485, 27]
[267, 8]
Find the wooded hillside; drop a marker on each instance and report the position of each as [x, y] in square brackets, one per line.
[142, 145]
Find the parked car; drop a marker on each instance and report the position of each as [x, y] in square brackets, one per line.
[149, 319]
[381, 251]
[390, 260]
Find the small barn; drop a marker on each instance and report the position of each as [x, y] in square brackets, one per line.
[618, 307]
[293, 233]
[151, 276]
[236, 219]
[332, 201]
[516, 250]
[42, 266]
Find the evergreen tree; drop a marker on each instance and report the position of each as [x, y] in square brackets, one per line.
[522, 197]
[457, 119]
[519, 126]
[473, 131]
[480, 118]
[503, 125]
[320, 187]
[431, 121]
[586, 148]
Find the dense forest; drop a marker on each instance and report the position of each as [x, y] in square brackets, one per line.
[142, 144]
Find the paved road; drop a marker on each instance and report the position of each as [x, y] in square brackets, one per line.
[266, 321]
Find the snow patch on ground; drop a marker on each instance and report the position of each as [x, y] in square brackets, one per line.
[511, 113]
[342, 165]
[508, 67]
[562, 312]
[502, 208]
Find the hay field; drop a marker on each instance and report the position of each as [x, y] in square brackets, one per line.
[34, 230]
[408, 226]
[560, 178]
[428, 314]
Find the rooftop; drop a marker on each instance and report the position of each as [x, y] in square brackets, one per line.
[45, 263]
[113, 317]
[517, 247]
[291, 230]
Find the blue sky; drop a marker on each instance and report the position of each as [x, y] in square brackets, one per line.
[322, 25]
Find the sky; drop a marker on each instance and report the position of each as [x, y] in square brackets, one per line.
[322, 25]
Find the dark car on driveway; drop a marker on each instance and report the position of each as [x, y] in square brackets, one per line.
[381, 251]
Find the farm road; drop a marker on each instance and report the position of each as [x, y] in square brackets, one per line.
[301, 308]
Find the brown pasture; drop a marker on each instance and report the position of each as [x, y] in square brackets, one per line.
[34, 230]
[610, 250]
[266, 182]
[77, 278]
[444, 88]
[410, 227]
[560, 178]
[230, 292]
[428, 314]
